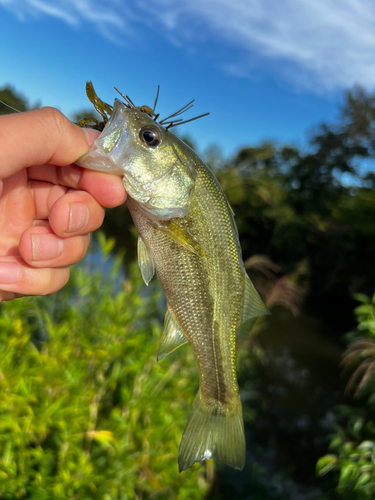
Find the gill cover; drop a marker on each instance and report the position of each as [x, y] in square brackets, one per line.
[158, 173]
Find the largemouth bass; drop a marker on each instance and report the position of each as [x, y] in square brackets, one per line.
[187, 233]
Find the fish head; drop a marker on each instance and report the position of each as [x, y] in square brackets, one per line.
[158, 169]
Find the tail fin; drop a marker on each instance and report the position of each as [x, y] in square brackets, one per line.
[213, 433]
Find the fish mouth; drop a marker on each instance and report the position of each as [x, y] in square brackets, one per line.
[107, 149]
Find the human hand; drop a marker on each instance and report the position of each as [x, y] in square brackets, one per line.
[48, 206]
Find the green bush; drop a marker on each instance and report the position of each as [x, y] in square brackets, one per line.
[353, 446]
[86, 412]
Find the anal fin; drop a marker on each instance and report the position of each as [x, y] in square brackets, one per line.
[253, 304]
[172, 336]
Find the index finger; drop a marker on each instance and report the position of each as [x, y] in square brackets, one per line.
[40, 136]
[107, 189]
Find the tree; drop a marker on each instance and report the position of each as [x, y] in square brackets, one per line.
[316, 206]
[14, 99]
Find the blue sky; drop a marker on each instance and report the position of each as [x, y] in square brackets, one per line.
[264, 69]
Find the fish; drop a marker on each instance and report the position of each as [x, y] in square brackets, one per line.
[188, 236]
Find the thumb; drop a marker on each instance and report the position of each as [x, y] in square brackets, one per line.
[40, 136]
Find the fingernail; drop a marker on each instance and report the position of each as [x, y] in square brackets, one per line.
[46, 246]
[78, 217]
[8, 273]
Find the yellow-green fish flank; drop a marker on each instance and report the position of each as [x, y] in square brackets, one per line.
[188, 235]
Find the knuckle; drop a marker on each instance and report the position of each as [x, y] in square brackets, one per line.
[54, 117]
[52, 125]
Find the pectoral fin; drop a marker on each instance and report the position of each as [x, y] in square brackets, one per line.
[145, 262]
[172, 336]
[184, 238]
[253, 304]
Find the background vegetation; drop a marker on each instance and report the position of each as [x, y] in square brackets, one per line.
[86, 412]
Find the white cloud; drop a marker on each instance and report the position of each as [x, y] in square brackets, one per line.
[51, 10]
[105, 17]
[321, 43]
[318, 44]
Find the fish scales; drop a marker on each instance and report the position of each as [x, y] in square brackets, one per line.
[188, 234]
[197, 289]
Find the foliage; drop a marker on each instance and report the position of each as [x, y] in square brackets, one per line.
[292, 207]
[361, 351]
[315, 206]
[85, 410]
[353, 446]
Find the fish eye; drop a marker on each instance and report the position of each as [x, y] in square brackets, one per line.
[150, 136]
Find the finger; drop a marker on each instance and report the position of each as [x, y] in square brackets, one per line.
[40, 247]
[46, 136]
[45, 196]
[107, 189]
[17, 277]
[77, 212]
[68, 175]
[70, 213]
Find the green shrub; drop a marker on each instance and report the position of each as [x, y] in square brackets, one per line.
[353, 446]
[86, 412]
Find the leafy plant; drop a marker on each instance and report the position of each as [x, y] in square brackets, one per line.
[361, 351]
[354, 443]
[86, 412]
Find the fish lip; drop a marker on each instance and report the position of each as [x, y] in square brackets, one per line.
[106, 150]
[108, 166]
